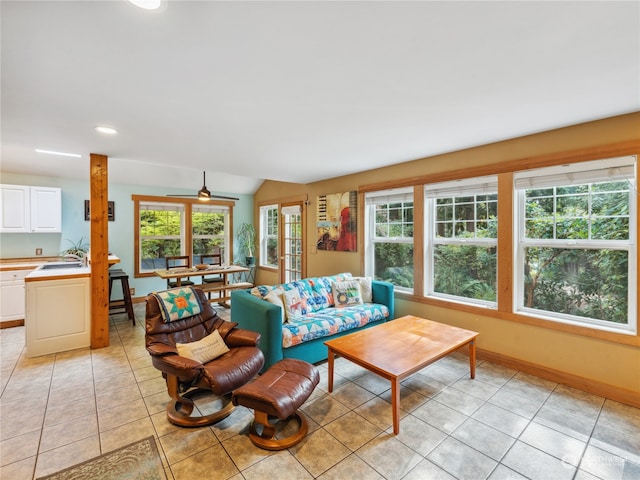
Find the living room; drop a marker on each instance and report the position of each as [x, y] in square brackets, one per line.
[600, 362]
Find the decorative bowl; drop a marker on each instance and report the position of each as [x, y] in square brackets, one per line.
[202, 266]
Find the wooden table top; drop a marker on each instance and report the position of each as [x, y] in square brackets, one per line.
[402, 346]
[194, 272]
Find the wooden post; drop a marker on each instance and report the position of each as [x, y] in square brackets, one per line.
[99, 252]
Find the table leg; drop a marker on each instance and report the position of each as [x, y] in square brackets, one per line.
[330, 365]
[395, 404]
[472, 358]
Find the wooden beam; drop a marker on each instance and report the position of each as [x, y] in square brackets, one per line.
[99, 252]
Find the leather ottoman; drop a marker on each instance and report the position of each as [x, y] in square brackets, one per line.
[278, 393]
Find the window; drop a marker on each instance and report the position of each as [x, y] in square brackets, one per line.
[209, 224]
[389, 237]
[576, 244]
[461, 241]
[179, 227]
[161, 233]
[269, 236]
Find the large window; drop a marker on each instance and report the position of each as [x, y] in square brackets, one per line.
[209, 225]
[462, 225]
[168, 228]
[576, 244]
[269, 236]
[161, 233]
[389, 237]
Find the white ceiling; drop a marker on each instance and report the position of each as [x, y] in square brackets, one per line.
[299, 91]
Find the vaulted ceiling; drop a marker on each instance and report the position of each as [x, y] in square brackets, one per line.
[299, 91]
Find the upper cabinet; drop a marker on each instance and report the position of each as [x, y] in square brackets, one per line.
[28, 209]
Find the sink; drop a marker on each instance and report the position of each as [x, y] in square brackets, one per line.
[56, 265]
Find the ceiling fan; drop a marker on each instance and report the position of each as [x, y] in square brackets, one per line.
[204, 193]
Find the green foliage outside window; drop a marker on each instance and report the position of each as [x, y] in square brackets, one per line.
[464, 265]
[161, 234]
[393, 245]
[588, 282]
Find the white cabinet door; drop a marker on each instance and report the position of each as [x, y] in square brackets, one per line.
[46, 209]
[12, 294]
[11, 301]
[14, 208]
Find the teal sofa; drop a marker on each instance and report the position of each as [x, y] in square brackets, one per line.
[303, 337]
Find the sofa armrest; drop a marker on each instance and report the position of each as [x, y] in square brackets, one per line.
[382, 292]
[253, 313]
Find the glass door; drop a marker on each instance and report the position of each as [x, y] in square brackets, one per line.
[291, 243]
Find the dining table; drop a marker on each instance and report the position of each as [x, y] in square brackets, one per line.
[232, 278]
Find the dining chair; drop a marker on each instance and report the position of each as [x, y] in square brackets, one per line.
[176, 263]
[212, 259]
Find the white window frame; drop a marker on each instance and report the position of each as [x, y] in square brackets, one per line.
[395, 195]
[582, 173]
[266, 235]
[487, 185]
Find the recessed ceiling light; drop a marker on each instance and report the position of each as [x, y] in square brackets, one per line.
[147, 4]
[63, 154]
[107, 130]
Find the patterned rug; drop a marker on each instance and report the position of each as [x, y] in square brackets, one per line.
[136, 461]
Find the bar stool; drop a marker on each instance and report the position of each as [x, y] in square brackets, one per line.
[124, 305]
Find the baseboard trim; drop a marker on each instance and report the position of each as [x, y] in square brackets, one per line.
[12, 323]
[622, 395]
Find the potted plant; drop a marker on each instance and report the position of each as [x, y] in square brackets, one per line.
[246, 236]
[76, 251]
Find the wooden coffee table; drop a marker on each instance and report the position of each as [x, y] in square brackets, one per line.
[399, 348]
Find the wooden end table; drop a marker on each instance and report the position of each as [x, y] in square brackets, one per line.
[399, 348]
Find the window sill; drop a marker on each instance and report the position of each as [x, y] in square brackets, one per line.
[622, 338]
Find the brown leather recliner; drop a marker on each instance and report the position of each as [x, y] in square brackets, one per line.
[187, 378]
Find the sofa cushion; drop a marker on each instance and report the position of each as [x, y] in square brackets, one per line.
[317, 291]
[295, 305]
[276, 296]
[347, 293]
[365, 288]
[329, 321]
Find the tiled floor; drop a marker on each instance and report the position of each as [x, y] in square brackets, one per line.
[59, 410]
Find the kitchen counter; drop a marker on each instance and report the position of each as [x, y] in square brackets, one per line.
[21, 265]
[42, 273]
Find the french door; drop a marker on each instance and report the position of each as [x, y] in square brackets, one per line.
[292, 266]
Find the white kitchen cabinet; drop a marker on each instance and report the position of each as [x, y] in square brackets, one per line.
[46, 209]
[15, 210]
[12, 295]
[26, 209]
[58, 316]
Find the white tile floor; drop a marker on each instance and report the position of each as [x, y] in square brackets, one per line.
[61, 409]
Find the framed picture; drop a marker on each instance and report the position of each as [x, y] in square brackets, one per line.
[337, 221]
[111, 210]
